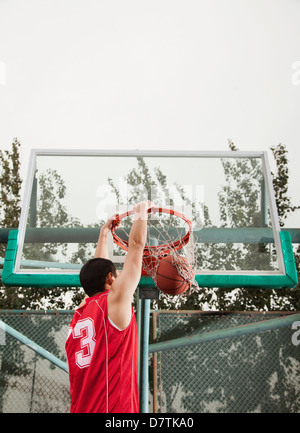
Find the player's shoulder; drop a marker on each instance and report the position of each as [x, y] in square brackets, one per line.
[96, 302]
[93, 306]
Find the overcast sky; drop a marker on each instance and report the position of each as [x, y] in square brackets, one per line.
[159, 74]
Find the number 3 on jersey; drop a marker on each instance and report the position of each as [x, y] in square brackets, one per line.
[85, 330]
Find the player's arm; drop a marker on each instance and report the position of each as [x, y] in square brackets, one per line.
[122, 289]
[101, 249]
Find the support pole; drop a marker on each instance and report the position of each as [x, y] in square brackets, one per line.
[252, 328]
[144, 344]
[32, 345]
[144, 297]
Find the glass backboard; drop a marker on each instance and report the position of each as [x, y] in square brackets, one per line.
[227, 196]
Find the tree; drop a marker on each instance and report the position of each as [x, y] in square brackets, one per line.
[280, 184]
[49, 210]
[235, 211]
[10, 208]
[10, 186]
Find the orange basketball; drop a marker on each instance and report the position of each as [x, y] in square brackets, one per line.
[168, 278]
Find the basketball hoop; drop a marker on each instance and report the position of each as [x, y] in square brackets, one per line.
[149, 249]
[164, 233]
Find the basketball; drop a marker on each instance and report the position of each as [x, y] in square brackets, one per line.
[168, 278]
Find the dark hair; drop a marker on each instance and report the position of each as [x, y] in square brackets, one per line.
[93, 275]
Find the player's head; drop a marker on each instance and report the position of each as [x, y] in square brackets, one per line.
[94, 273]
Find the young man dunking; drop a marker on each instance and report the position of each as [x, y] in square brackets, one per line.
[102, 345]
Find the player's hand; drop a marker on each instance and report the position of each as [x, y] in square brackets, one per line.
[144, 205]
[108, 225]
[142, 209]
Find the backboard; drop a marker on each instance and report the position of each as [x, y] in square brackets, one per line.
[227, 196]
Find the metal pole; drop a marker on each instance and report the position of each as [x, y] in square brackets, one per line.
[205, 235]
[226, 333]
[264, 204]
[144, 373]
[155, 393]
[33, 203]
[32, 345]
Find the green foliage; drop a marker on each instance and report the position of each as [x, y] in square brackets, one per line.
[10, 208]
[237, 208]
[50, 212]
[10, 186]
[280, 184]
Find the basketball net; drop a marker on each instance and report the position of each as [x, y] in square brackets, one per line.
[169, 233]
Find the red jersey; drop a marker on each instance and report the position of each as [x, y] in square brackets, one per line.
[102, 361]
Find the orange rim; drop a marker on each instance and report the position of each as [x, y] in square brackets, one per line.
[149, 249]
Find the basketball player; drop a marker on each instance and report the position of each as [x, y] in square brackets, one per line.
[102, 345]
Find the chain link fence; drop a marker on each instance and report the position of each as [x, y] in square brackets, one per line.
[29, 383]
[251, 373]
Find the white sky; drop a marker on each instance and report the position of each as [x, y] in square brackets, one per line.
[159, 74]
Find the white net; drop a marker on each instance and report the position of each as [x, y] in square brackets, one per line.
[167, 235]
